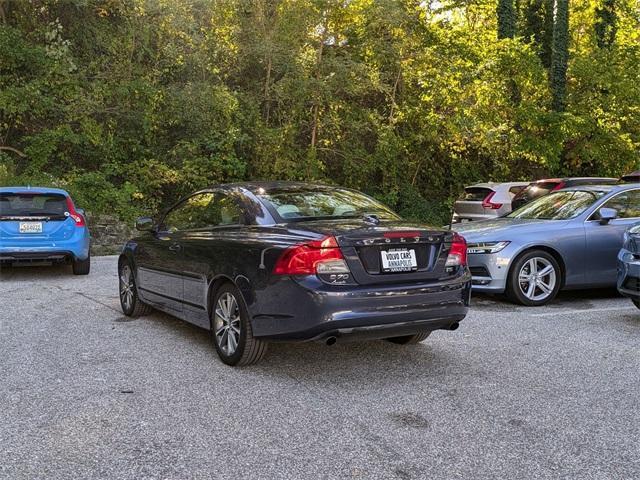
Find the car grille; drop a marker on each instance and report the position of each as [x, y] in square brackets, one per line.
[479, 272]
[632, 284]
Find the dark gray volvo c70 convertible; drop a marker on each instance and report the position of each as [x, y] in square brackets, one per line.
[261, 262]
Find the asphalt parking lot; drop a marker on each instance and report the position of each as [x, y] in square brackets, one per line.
[551, 392]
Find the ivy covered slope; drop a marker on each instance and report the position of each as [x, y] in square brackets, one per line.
[131, 103]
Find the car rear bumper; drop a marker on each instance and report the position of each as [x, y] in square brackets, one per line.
[628, 274]
[36, 257]
[76, 247]
[304, 310]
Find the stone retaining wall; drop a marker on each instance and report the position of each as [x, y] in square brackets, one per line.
[108, 234]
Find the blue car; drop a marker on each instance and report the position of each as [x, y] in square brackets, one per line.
[568, 239]
[42, 225]
[629, 265]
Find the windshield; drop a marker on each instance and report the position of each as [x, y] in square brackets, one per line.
[561, 205]
[307, 203]
[32, 204]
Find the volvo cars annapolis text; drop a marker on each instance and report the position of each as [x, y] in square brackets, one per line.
[42, 225]
[280, 261]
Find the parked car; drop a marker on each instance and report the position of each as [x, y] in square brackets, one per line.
[42, 225]
[540, 188]
[484, 201]
[633, 177]
[567, 239]
[277, 261]
[629, 265]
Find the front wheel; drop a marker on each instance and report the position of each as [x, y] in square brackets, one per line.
[231, 329]
[129, 300]
[409, 339]
[534, 279]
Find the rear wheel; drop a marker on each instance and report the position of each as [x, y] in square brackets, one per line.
[534, 279]
[129, 300]
[82, 267]
[231, 329]
[409, 339]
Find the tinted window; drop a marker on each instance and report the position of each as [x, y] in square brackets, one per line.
[205, 210]
[32, 204]
[300, 203]
[518, 189]
[475, 194]
[627, 204]
[558, 205]
[536, 190]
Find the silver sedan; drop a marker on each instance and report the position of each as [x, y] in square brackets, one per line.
[568, 239]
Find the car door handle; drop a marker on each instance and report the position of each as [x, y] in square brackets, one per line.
[176, 247]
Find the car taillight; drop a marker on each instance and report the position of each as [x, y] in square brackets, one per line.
[558, 186]
[487, 203]
[77, 218]
[320, 256]
[458, 252]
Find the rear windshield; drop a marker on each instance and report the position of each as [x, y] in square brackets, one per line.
[537, 190]
[475, 194]
[32, 205]
[304, 203]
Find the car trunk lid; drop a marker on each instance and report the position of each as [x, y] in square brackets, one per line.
[36, 216]
[388, 252]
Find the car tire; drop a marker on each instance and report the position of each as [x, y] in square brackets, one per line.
[82, 267]
[409, 339]
[636, 302]
[130, 302]
[534, 279]
[231, 331]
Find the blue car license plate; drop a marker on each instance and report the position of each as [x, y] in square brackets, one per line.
[30, 227]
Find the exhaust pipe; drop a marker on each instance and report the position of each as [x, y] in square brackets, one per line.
[454, 326]
[331, 341]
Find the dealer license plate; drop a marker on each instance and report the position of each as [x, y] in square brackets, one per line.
[399, 260]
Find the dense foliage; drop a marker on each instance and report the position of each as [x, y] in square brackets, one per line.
[132, 103]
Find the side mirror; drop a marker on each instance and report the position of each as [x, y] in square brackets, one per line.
[81, 211]
[607, 214]
[144, 224]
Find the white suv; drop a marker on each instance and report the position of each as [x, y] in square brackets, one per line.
[483, 201]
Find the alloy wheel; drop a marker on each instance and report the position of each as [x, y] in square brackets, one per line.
[227, 323]
[537, 279]
[126, 287]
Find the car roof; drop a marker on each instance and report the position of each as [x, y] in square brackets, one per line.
[568, 179]
[605, 188]
[495, 185]
[29, 189]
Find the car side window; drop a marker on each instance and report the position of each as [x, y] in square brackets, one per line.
[204, 210]
[627, 204]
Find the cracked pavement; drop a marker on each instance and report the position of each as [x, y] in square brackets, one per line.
[550, 392]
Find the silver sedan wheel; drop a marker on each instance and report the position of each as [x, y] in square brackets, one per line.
[537, 279]
[126, 287]
[227, 323]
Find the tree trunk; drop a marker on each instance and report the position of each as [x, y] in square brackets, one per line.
[560, 56]
[506, 11]
[606, 23]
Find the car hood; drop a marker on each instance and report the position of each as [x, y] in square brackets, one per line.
[504, 228]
